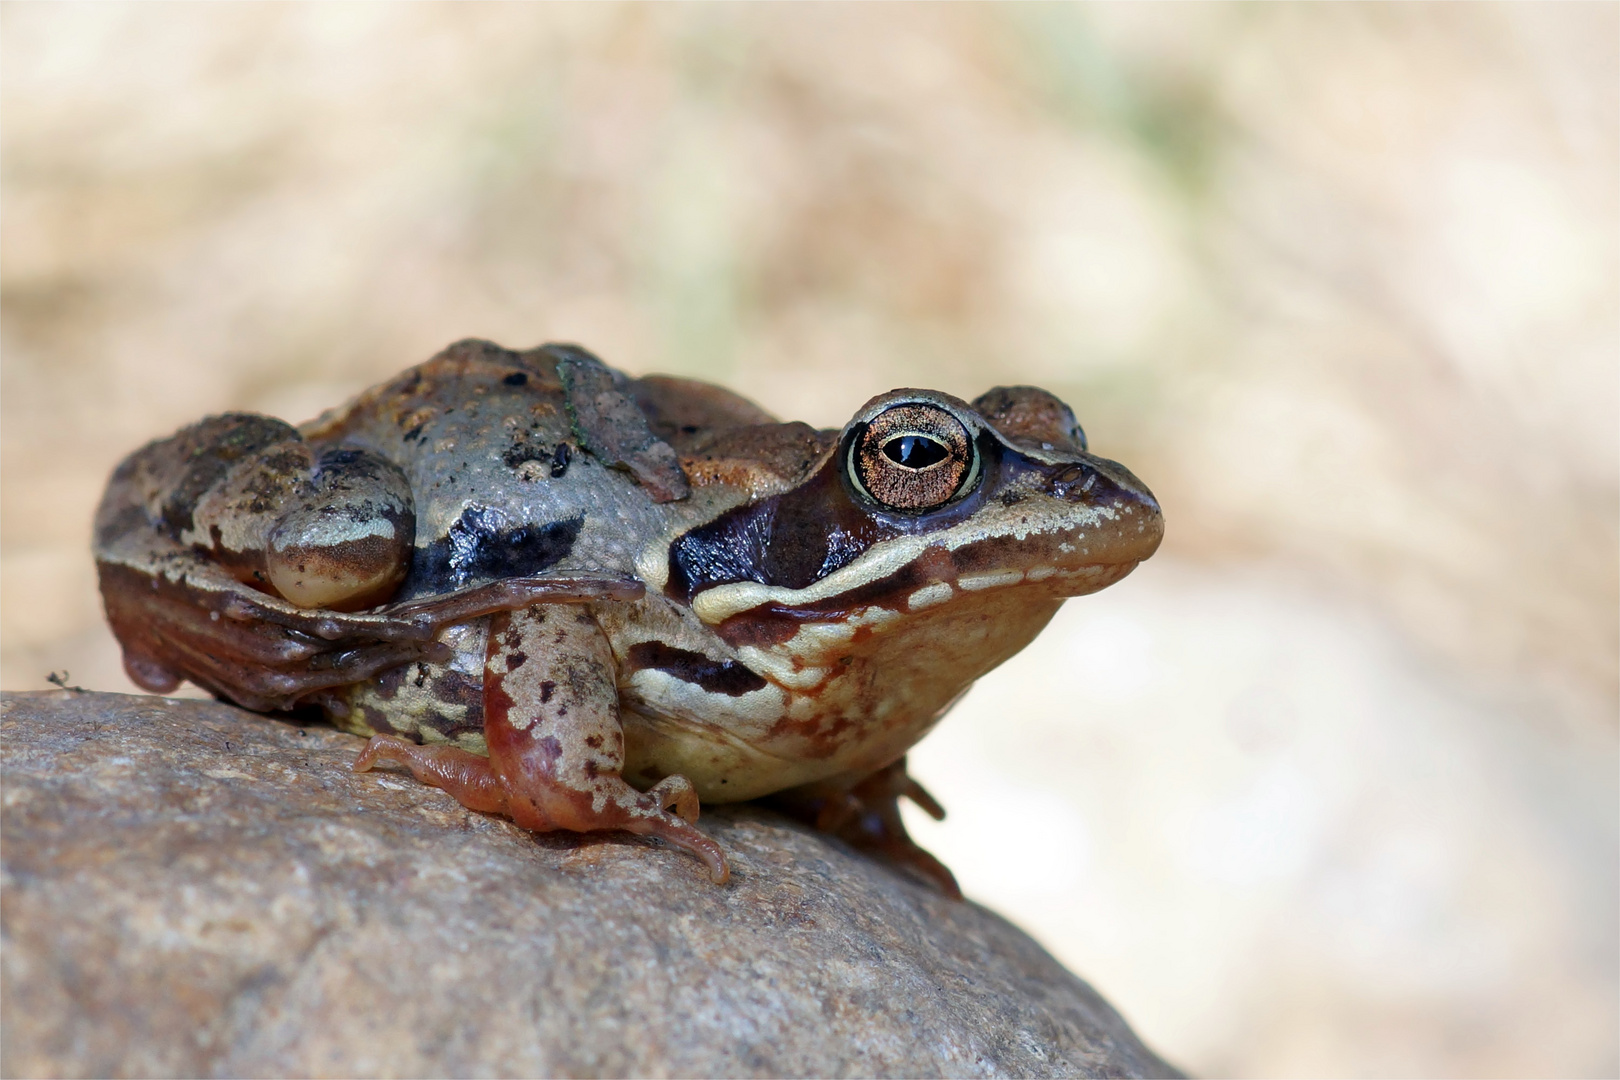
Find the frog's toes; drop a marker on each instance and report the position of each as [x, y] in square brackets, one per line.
[467, 777]
[908, 855]
[919, 795]
[866, 815]
[148, 674]
[677, 792]
[687, 837]
[678, 828]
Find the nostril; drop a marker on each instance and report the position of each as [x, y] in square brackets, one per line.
[1062, 483]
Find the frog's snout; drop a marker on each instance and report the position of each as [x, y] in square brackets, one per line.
[1099, 482]
[1136, 524]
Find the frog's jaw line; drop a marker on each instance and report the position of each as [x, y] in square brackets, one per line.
[719, 603]
[930, 595]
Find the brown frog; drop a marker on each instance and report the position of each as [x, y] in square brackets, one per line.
[587, 601]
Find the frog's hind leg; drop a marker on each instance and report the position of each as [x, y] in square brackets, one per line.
[866, 815]
[555, 745]
[236, 555]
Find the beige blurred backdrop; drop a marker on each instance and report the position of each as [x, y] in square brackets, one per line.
[1328, 787]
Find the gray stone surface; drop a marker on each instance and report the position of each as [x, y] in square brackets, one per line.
[190, 889]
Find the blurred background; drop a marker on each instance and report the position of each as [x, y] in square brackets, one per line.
[1337, 792]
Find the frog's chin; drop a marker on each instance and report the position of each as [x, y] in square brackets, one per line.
[850, 690]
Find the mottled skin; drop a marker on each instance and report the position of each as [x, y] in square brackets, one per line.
[587, 602]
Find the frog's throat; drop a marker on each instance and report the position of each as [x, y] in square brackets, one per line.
[716, 604]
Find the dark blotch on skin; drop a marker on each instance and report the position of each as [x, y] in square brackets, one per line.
[716, 676]
[479, 547]
[523, 449]
[517, 378]
[462, 695]
[547, 688]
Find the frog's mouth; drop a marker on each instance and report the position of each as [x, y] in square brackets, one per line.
[1063, 521]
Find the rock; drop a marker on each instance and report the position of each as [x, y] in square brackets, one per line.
[190, 889]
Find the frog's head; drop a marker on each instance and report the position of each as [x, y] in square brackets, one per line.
[924, 502]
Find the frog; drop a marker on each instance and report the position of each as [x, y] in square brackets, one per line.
[591, 602]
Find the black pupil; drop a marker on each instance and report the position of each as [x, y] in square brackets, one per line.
[915, 451]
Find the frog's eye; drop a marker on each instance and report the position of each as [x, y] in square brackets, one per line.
[913, 457]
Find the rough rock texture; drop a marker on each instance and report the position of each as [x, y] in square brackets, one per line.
[191, 889]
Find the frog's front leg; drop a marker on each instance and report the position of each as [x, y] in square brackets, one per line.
[551, 722]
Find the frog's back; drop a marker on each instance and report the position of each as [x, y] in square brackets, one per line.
[504, 483]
